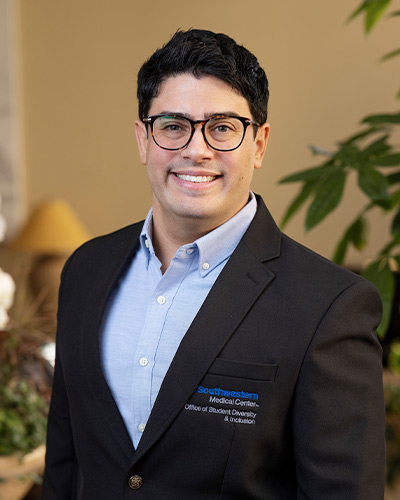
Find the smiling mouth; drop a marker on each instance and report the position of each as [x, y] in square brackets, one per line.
[197, 178]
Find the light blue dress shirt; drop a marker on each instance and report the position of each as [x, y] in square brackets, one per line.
[149, 313]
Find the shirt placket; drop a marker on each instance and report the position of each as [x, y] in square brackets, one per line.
[144, 392]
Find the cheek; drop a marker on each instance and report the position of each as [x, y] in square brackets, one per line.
[158, 163]
[244, 170]
[154, 157]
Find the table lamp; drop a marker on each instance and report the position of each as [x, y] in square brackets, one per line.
[51, 233]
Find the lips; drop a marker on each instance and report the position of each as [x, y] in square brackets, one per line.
[197, 178]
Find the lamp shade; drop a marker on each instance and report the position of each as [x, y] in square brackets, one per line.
[52, 229]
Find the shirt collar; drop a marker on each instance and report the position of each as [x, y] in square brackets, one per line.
[145, 237]
[214, 247]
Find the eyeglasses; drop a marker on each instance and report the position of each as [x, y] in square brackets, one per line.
[221, 132]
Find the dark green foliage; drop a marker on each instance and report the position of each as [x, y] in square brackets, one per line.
[25, 377]
[22, 419]
[370, 156]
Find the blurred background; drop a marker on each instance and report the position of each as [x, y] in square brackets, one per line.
[67, 145]
[68, 85]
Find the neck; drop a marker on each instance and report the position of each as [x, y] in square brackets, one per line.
[167, 237]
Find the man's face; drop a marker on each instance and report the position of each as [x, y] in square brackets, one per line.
[224, 177]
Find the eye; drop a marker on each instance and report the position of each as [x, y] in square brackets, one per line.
[171, 124]
[224, 126]
[220, 125]
[173, 127]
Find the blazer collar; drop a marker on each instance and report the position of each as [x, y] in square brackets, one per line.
[263, 237]
[240, 283]
[119, 253]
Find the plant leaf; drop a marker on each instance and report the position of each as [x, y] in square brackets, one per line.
[358, 11]
[389, 55]
[373, 183]
[298, 202]
[395, 227]
[311, 173]
[393, 201]
[356, 233]
[361, 135]
[349, 154]
[383, 279]
[375, 9]
[382, 119]
[393, 178]
[341, 249]
[328, 194]
[392, 160]
[378, 147]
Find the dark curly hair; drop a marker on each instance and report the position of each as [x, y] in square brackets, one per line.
[202, 52]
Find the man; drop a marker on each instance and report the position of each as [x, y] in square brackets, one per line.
[202, 354]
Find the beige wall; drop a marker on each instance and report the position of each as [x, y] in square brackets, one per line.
[79, 61]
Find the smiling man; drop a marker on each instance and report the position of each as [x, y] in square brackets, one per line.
[202, 354]
[200, 174]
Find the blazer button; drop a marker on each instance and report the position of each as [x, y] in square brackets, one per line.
[135, 482]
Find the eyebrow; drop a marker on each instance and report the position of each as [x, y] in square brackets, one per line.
[206, 116]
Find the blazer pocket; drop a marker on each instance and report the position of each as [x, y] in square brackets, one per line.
[254, 371]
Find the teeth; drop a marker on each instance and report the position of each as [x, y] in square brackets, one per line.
[197, 178]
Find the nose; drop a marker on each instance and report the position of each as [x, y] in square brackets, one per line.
[197, 149]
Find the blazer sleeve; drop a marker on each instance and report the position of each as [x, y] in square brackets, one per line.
[59, 482]
[338, 413]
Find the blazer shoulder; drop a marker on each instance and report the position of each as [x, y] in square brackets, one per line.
[110, 240]
[289, 258]
[316, 269]
[119, 244]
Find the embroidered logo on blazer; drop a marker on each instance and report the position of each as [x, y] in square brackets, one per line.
[222, 397]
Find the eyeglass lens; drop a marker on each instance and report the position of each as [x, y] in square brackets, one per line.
[223, 133]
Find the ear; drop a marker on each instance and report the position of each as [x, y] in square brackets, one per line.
[142, 139]
[261, 141]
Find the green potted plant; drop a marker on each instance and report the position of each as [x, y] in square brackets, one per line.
[370, 155]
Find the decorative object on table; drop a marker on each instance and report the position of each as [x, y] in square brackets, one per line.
[25, 384]
[52, 232]
[19, 474]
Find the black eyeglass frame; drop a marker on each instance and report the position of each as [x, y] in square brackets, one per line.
[246, 122]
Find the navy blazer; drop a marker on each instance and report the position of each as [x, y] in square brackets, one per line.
[275, 392]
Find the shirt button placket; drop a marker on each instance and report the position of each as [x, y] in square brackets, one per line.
[143, 361]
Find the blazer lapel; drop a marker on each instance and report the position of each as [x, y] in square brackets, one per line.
[114, 262]
[239, 285]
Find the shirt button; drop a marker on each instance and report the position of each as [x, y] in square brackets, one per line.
[206, 266]
[135, 482]
[141, 427]
[161, 299]
[189, 251]
[143, 361]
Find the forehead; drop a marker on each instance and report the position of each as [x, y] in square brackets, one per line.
[198, 97]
